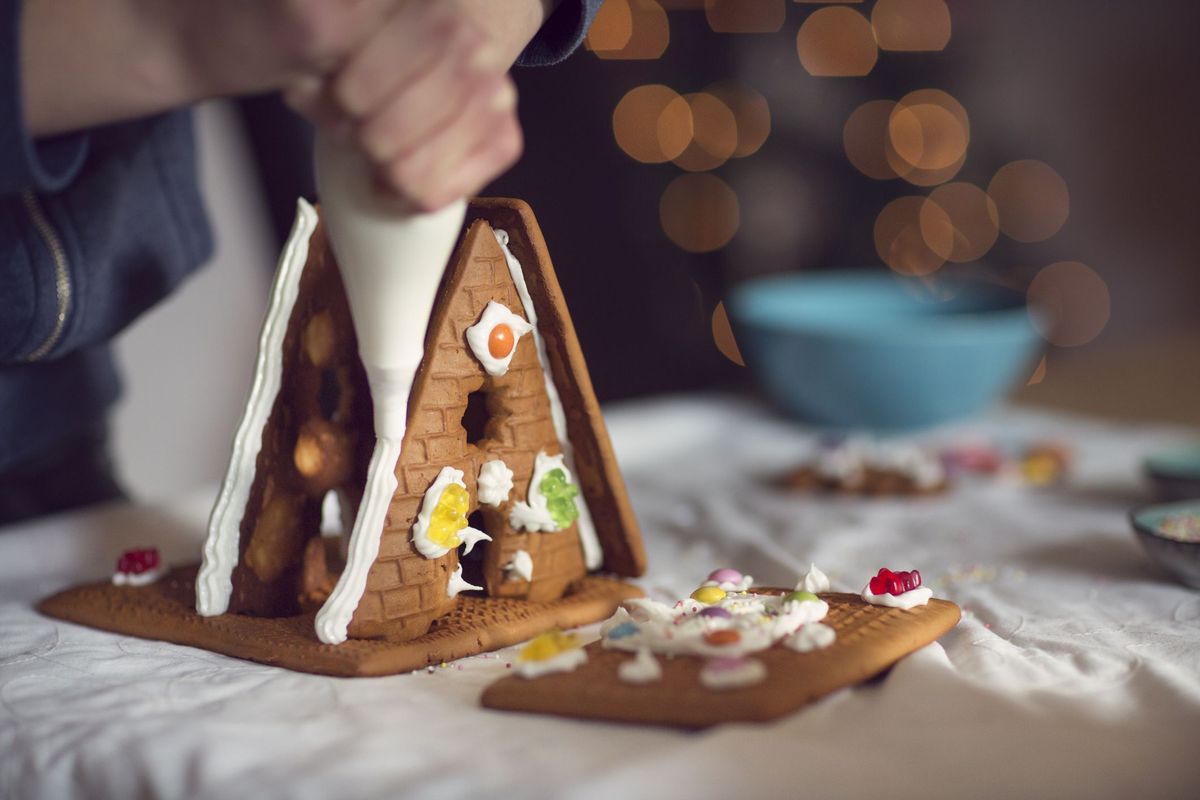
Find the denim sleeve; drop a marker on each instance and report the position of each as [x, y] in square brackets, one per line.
[46, 165]
[561, 34]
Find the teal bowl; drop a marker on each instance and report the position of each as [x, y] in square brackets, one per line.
[1180, 558]
[1175, 474]
[860, 349]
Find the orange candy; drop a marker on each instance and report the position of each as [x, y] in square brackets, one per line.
[501, 341]
[722, 637]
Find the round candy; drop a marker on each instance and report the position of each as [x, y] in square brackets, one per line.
[623, 630]
[800, 597]
[722, 637]
[500, 341]
[725, 575]
[709, 595]
[715, 612]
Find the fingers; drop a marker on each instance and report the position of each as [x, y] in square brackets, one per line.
[456, 161]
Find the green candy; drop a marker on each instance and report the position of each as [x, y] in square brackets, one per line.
[560, 497]
[800, 597]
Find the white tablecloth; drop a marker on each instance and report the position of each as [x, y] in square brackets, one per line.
[1075, 671]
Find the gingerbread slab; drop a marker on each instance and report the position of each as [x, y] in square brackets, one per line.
[870, 639]
[165, 611]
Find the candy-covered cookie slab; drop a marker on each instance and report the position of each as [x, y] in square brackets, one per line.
[507, 502]
[727, 655]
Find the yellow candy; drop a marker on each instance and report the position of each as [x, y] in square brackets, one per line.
[709, 594]
[547, 646]
[1040, 469]
[449, 517]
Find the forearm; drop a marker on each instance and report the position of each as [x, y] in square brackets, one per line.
[89, 62]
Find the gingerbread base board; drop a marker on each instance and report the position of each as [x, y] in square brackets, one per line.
[870, 639]
[165, 611]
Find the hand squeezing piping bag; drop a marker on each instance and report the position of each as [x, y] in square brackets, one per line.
[391, 263]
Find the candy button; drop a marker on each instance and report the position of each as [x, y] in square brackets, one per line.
[722, 638]
[709, 595]
[800, 597]
[715, 612]
[622, 631]
[725, 575]
[500, 341]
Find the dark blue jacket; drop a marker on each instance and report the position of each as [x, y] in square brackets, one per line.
[97, 226]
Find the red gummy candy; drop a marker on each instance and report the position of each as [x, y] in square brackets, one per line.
[907, 579]
[138, 560]
[876, 585]
[916, 579]
[894, 585]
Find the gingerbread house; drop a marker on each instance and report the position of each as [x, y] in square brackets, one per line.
[506, 482]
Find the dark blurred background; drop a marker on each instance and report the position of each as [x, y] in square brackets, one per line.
[1079, 119]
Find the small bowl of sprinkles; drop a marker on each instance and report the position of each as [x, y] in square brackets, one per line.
[1170, 534]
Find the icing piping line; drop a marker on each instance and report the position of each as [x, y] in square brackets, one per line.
[333, 620]
[214, 582]
[593, 555]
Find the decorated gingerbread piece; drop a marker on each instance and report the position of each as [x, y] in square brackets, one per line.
[507, 494]
[862, 467]
[728, 652]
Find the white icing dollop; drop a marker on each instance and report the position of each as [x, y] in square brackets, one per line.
[812, 636]
[534, 515]
[920, 466]
[141, 578]
[520, 567]
[910, 599]
[730, 586]
[797, 614]
[420, 530]
[457, 585]
[479, 334]
[495, 482]
[642, 668]
[845, 463]
[814, 581]
[566, 661]
[730, 674]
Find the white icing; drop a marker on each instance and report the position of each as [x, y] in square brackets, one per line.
[478, 334]
[642, 668]
[813, 636]
[534, 515]
[920, 466]
[716, 675]
[333, 620]
[910, 599]
[566, 661]
[331, 514]
[741, 586]
[495, 482]
[619, 616]
[593, 554]
[813, 581]
[141, 578]
[845, 463]
[457, 584]
[420, 530]
[214, 581]
[760, 620]
[520, 568]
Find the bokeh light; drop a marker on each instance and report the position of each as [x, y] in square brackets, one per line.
[1073, 303]
[714, 134]
[865, 137]
[911, 25]
[652, 123]
[900, 236]
[629, 30]
[1032, 200]
[972, 217]
[612, 28]
[699, 212]
[745, 16]
[750, 111]
[928, 134]
[722, 333]
[836, 42]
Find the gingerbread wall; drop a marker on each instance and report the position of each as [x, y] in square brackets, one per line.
[405, 591]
